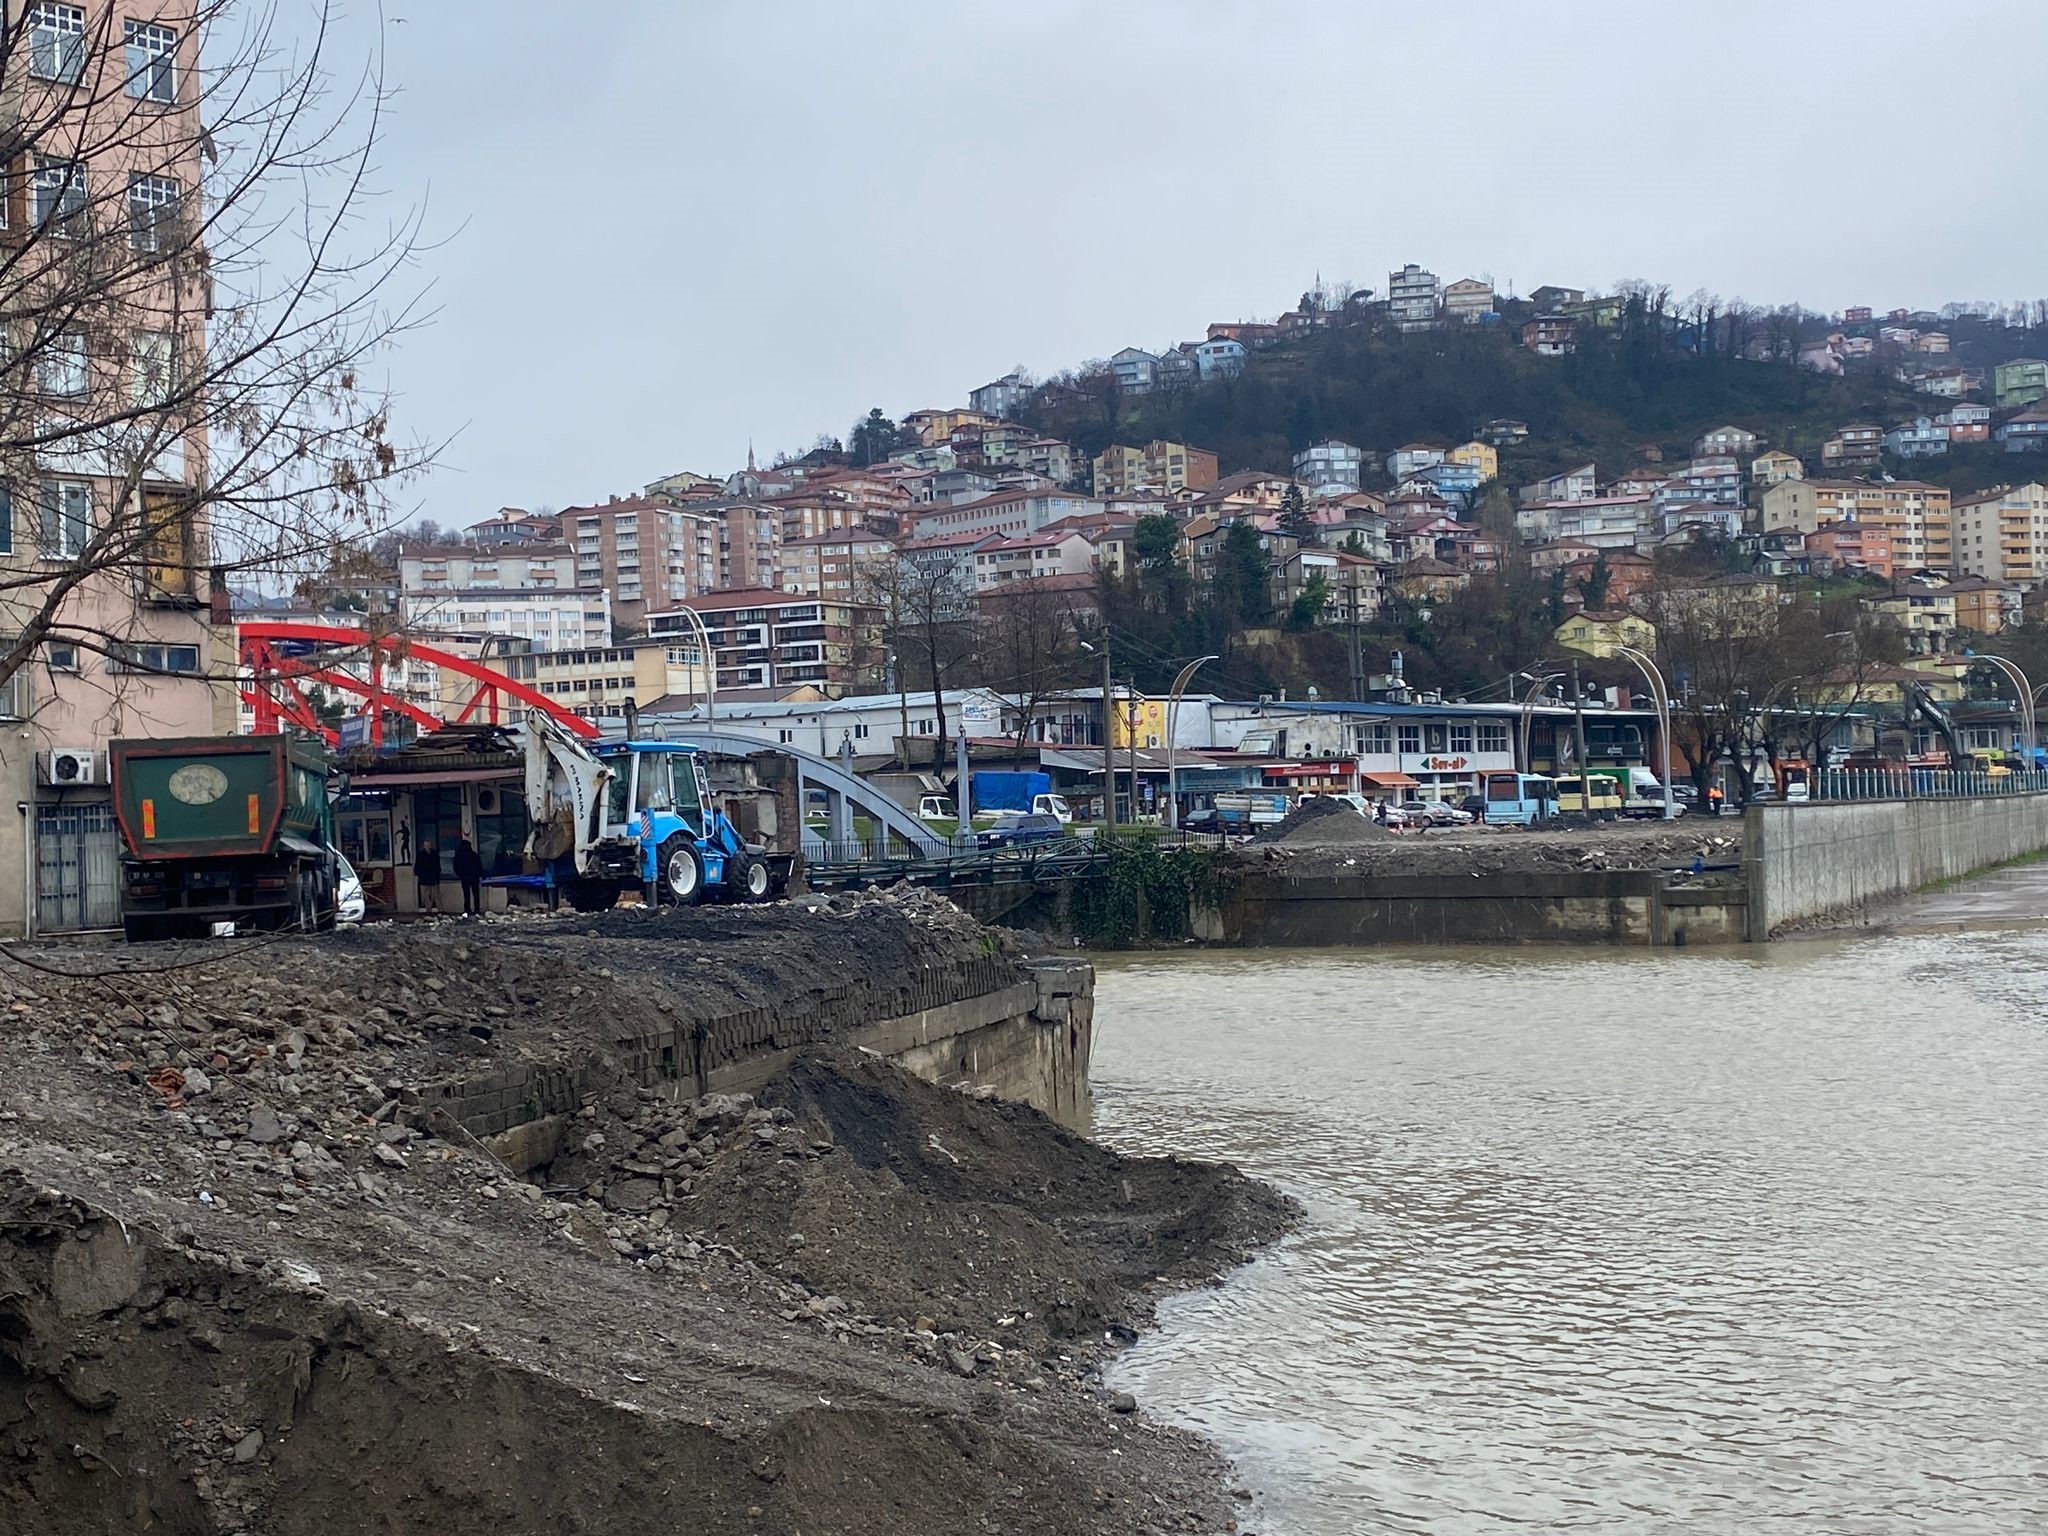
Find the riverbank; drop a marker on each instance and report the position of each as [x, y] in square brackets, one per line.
[257, 1280]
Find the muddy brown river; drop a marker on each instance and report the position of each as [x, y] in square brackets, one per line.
[1676, 1242]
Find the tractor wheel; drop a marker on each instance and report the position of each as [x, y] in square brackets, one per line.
[679, 871]
[593, 895]
[748, 878]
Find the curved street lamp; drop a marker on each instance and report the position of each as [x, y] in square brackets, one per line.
[2024, 691]
[1658, 692]
[1541, 681]
[1173, 697]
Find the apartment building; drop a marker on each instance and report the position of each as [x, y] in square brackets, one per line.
[595, 681]
[106, 522]
[767, 639]
[1850, 545]
[2019, 382]
[648, 554]
[749, 544]
[1066, 552]
[1467, 300]
[2002, 534]
[1857, 443]
[1916, 516]
[837, 564]
[1158, 466]
[1330, 467]
[546, 618]
[1412, 295]
[1004, 512]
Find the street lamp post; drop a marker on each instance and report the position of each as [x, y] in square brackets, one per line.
[1173, 697]
[1655, 679]
[2024, 691]
[1541, 681]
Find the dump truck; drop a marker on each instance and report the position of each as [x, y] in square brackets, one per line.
[224, 829]
[611, 816]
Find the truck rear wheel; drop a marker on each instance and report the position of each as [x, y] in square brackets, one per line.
[593, 895]
[679, 871]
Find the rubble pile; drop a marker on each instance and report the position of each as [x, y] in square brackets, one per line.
[1482, 851]
[250, 1281]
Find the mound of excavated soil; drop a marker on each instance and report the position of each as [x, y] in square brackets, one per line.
[238, 1294]
[1324, 820]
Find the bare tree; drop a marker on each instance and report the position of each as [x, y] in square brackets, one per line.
[1028, 646]
[925, 605]
[192, 296]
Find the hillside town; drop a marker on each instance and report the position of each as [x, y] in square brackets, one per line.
[1391, 619]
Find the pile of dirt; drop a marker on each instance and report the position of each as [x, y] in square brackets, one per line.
[240, 1293]
[1324, 821]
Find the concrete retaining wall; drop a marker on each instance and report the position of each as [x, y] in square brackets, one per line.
[1837, 859]
[1018, 1032]
[1560, 907]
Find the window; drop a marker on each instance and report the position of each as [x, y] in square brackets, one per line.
[1411, 739]
[785, 736]
[1377, 737]
[860, 733]
[153, 658]
[57, 192]
[56, 46]
[1493, 736]
[67, 518]
[1461, 738]
[152, 66]
[152, 211]
[151, 372]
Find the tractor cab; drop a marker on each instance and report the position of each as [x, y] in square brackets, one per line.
[658, 797]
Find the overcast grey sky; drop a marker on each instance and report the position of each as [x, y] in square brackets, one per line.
[688, 225]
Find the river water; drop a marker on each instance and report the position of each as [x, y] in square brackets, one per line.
[1658, 1242]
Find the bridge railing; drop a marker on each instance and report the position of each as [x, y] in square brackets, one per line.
[966, 856]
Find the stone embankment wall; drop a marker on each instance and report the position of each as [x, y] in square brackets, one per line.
[1561, 907]
[1838, 859]
[1018, 1031]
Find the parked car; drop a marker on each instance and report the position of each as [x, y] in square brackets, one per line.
[1647, 803]
[1434, 813]
[349, 905]
[1685, 792]
[937, 808]
[1357, 803]
[1014, 829]
[1474, 806]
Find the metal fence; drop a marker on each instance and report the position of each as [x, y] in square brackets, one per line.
[967, 857]
[1921, 784]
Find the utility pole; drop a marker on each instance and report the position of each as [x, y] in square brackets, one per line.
[1357, 663]
[1108, 746]
[1579, 714]
[1131, 707]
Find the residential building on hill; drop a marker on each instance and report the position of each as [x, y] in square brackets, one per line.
[1353, 586]
[1596, 632]
[1158, 466]
[1005, 512]
[1576, 484]
[1467, 300]
[933, 427]
[1917, 517]
[1924, 437]
[1967, 422]
[1135, 370]
[1550, 296]
[1404, 461]
[1049, 552]
[1483, 457]
[513, 525]
[1853, 546]
[763, 639]
[1503, 432]
[1550, 335]
[2026, 432]
[547, 618]
[1220, 357]
[1330, 467]
[1001, 397]
[646, 553]
[1412, 298]
[1767, 469]
[2019, 382]
[1857, 443]
[2003, 533]
[837, 564]
[1984, 606]
[1725, 441]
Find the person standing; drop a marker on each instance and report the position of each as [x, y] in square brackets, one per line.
[469, 869]
[426, 873]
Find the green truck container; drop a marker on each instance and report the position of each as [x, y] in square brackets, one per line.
[224, 829]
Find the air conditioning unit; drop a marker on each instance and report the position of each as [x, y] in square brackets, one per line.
[487, 802]
[72, 765]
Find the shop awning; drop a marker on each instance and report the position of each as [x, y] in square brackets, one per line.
[1390, 781]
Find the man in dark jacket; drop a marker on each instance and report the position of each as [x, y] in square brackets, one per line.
[426, 873]
[469, 869]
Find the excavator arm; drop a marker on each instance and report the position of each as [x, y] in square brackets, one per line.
[565, 787]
